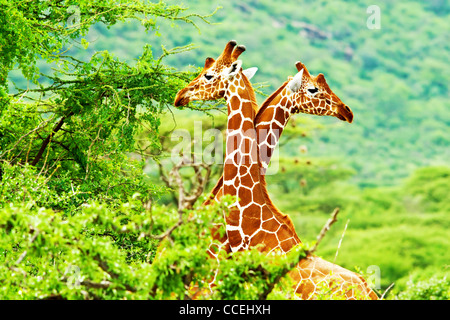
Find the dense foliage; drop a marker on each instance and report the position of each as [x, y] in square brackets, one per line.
[78, 217]
[88, 188]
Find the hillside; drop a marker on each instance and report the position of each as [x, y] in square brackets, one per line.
[394, 78]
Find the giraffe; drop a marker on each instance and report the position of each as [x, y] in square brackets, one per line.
[251, 221]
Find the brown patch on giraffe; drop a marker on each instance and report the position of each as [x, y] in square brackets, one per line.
[229, 189]
[251, 216]
[232, 143]
[246, 146]
[236, 118]
[262, 237]
[288, 244]
[231, 170]
[277, 129]
[271, 139]
[243, 171]
[279, 115]
[322, 104]
[248, 128]
[267, 115]
[244, 194]
[246, 160]
[247, 181]
[284, 232]
[232, 218]
[234, 237]
[266, 213]
[235, 103]
[237, 182]
[271, 225]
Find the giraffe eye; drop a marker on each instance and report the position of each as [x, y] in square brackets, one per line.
[313, 90]
[208, 76]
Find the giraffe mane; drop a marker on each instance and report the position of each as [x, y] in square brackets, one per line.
[251, 93]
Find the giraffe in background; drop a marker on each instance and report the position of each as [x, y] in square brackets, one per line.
[251, 220]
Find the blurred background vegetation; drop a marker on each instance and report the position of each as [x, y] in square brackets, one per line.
[388, 171]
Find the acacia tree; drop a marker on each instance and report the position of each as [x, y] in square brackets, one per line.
[82, 118]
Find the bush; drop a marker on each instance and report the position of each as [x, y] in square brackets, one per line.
[434, 288]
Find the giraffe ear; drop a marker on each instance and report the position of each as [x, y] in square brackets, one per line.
[250, 72]
[234, 68]
[296, 83]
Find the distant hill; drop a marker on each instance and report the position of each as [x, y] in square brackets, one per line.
[394, 78]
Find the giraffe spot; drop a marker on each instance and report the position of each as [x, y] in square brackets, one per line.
[246, 241]
[235, 119]
[237, 159]
[271, 225]
[246, 160]
[251, 219]
[234, 238]
[279, 115]
[287, 244]
[284, 232]
[271, 139]
[246, 145]
[267, 115]
[277, 129]
[230, 170]
[266, 214]
[248, 128]
[232, 142]
[233, 217]
[229, 189]
[327, 101]
[244, 194]
[263, 237]
[243, 170]
[250, 226]
[235, 103]
[246, 180]
[265, 153]
[254, 170]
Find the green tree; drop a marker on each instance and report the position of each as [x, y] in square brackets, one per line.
[78, 217]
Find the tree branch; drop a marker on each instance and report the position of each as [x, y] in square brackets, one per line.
[325, 229]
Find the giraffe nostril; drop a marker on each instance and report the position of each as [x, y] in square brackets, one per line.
[347, 108]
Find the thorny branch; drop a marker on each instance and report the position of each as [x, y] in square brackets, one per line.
[186, 198]
[324, 230]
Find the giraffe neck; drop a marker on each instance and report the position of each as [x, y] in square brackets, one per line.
[250, 220]
[270, 122]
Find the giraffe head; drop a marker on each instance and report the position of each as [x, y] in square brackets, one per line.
[313, 95]
[213, 80]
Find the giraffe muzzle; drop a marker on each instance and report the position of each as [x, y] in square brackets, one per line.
[344, 113]
[181, 98]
